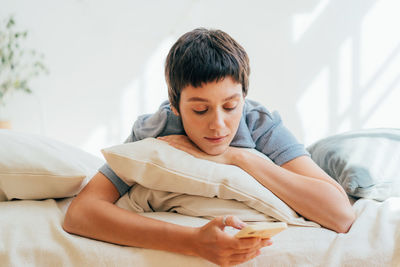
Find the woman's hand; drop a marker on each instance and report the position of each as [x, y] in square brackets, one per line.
[182, 142]
[213, 244]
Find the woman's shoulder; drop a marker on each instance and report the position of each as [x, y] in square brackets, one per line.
[256, 113]
[162, 122]
[250, 105]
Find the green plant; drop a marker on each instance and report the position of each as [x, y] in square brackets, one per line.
[18, 64]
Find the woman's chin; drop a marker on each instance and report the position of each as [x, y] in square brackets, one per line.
[215, 151]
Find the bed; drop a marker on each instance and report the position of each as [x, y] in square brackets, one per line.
[39, 177]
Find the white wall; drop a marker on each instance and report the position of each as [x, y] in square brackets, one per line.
[327, 66]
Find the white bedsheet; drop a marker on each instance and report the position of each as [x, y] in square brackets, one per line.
[31, 235]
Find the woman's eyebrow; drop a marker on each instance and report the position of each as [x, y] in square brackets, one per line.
[199, 99]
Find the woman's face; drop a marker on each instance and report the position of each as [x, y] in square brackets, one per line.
[211, 114]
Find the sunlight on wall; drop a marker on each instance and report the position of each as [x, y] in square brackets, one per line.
[143, 95]
[130, 107]
[359, 86]
[155, 88]
[301, 22]
[345, 85]
[377, 39]
[313, 105]
[337, 62]
[96, 137]
[380, 65]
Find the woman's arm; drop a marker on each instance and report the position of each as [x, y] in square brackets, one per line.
[300, 183]
[93, 214]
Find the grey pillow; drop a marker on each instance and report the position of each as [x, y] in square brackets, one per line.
[366, 162]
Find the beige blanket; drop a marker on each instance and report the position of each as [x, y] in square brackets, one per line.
[142, 199]
[31, 235]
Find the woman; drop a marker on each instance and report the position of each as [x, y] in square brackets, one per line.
[208, 116]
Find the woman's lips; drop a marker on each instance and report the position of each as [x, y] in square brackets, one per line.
[215, 139]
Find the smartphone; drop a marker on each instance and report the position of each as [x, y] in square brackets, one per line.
[263, 230]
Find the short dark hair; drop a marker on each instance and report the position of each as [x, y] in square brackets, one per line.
[201, 56]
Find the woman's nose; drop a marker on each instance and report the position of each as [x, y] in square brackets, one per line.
[217, 121]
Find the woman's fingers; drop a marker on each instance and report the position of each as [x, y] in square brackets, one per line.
[230, 220]
[245, 243]
[255, 244]
[258, 246]
[181, 142]
[242, 257]
[222, 248]
[237, 258]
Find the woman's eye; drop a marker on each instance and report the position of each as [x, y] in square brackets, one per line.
[229, 108]
[200, 112]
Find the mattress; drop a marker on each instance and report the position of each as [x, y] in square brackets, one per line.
[31, 234]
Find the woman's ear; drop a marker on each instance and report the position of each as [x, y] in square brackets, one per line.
[174, 110]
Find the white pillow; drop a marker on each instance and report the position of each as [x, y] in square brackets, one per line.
[154, 164]
[37, 167]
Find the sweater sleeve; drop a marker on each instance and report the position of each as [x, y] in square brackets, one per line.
[121, 186]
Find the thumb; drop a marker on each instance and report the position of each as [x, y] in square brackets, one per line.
[230, 220]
